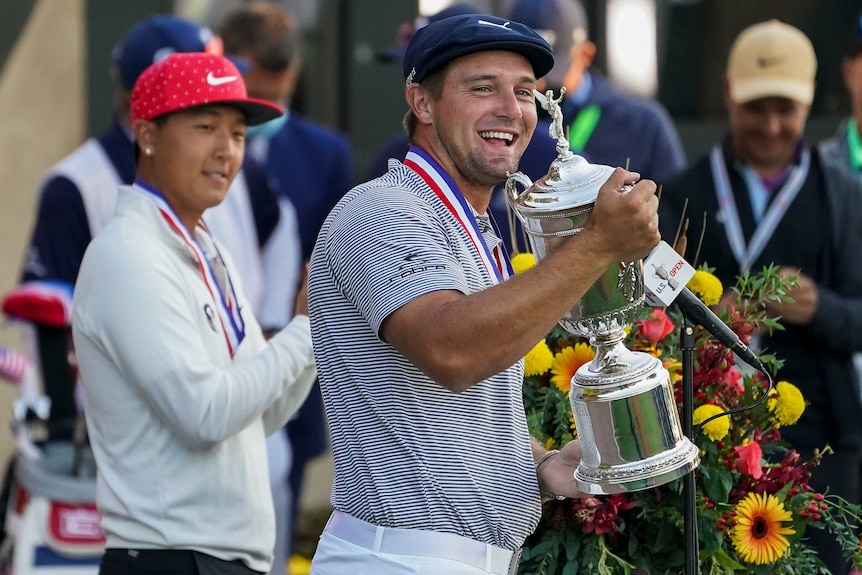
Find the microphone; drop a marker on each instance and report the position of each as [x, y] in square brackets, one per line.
[693, 308]
[665, 277]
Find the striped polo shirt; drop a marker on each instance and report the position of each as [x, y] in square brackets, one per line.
[408, 452]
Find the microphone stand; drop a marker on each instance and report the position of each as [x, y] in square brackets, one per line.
[687, 346]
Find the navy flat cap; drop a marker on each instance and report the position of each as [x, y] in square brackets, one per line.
[437, 44]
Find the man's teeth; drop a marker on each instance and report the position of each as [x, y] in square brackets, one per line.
[497, 135]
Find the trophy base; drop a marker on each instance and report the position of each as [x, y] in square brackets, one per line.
[628, 424]
[645, 474]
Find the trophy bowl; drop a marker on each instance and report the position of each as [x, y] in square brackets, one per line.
[558, 206]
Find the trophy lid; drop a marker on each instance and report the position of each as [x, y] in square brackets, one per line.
[571, 181]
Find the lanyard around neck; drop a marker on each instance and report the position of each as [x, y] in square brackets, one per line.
[583, 126]
[746, 254]
[854, 145]
[223, 296]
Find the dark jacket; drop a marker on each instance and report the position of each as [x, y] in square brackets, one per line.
[821, 234]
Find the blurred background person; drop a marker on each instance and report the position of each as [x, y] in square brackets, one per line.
[308, 165]
[845, 147]
[770, 199]
[605, 125]
[306, 162]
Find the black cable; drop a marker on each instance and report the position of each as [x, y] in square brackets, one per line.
[762, 369]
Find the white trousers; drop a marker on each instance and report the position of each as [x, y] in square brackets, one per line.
[350, 546]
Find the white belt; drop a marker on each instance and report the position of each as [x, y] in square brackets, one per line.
[423, 543]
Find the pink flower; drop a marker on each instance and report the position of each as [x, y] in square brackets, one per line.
[657, 327]
[748, 459]
[733, 379]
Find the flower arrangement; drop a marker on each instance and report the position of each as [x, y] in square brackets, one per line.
[754, 503]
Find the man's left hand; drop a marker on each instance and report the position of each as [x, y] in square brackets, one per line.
[557, 474]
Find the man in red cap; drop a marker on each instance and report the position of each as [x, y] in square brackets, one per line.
[180, 385]
[78, 195]
[77, 199]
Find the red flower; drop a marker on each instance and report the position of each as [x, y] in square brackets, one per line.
[657, 327]
[601, 516]
[748, 459]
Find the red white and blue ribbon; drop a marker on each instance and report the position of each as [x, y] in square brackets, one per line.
[497, 260]
[226, 302]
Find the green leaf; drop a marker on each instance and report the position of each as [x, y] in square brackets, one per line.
[717, 484]
[667, 535]
[573, 543]
[722, 558]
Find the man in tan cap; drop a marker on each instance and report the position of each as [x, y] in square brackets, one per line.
[770, 199]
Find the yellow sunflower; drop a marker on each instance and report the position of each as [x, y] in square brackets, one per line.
[706, 286]
[567, 362]
[786, 404]
[538, 360]
[716, 429]
[758, 536]
[523, 261]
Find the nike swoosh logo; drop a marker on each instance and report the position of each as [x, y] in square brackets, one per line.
[764, 62]
[219, 80]
[503, 26]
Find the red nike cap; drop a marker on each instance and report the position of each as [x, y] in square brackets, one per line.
[189, 79]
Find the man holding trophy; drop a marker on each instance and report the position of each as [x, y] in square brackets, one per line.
[419, 326]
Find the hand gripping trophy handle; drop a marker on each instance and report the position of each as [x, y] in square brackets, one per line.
[623, 402]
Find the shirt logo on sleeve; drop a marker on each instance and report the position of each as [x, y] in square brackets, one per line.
[414, 263]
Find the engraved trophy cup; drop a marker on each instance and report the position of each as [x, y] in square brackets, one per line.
[623, 402]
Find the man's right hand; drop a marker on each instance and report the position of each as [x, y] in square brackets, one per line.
[623, 226]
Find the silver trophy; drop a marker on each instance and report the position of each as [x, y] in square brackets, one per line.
[623, 401]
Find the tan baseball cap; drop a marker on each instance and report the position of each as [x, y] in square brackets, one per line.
[771, 59]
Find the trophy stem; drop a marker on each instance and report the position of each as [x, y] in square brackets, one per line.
[611, 355]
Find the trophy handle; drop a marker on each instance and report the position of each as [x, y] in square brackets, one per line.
[512, 193]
